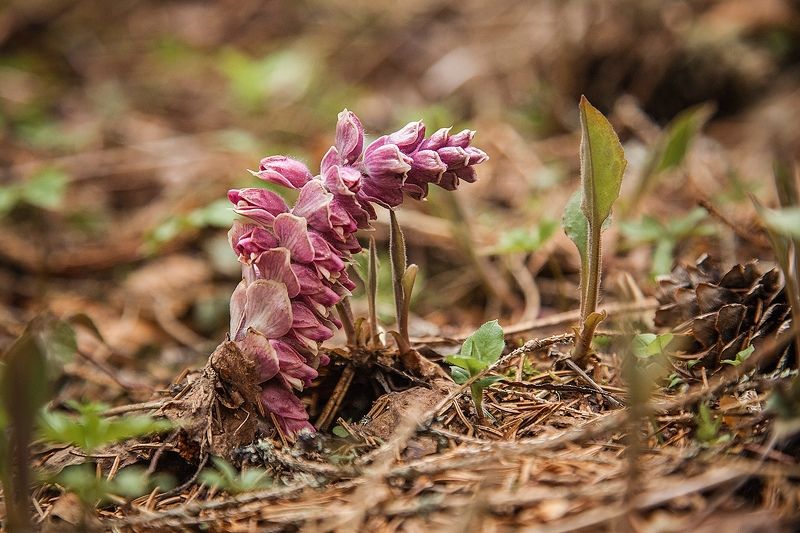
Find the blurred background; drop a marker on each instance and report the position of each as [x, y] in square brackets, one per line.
[123, 124]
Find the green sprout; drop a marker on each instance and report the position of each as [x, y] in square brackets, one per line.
[741, 356]
[479, 351]
[226, 478]
[707, 426]
[588, 211]
[90, 430]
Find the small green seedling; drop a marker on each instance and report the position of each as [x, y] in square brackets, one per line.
[665, 236]
[479, 351]
[82, 481]
[225, 477]
[741, 356]
[671, 148]
[90, 430]
[602, 166]
[652, 364]
[647, 345]
[707, 426]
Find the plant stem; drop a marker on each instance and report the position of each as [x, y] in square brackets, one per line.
[397, 257]
[348, 323]
[372, 289]
[593, 279]
[477, 399]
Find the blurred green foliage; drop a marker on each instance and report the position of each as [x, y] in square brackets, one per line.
[89, 429]
[226, 477]
[44, 189]
[217, 214]
[521, 240]
[665, 236]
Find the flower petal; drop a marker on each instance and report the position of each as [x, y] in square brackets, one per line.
[259, 205]
[259, 348]
[275, 264]
[278, 399]
[238, 299]
[408, 138]
[313, 204]
[268, 308]
[292, 233]
[349, 137]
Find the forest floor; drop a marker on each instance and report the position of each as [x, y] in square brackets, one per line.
[116, 160]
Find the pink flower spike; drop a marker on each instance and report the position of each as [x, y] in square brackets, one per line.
[285, 171]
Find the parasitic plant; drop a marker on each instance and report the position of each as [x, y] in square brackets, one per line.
[295, 259]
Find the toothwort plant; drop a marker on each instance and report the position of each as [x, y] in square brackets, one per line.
[294, 260]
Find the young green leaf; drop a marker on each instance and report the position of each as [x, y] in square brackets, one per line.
[678, 136]
[650, 344]
[707, 425]
[89, 429]
[602, 164]
[486, 344]
[340, 432]
[46, 188]
[520, 240]
[479, 351]
[741, 356]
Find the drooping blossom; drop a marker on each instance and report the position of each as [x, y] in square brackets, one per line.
[294, 259]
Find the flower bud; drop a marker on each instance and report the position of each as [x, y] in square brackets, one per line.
[283, 170]
[259, 205]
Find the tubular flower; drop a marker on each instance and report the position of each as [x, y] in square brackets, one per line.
[294, 260]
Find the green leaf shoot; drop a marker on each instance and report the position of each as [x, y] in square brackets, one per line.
[602, 164]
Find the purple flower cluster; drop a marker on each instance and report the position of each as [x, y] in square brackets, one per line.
[294, 260]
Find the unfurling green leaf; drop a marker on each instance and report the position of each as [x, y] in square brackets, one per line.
[602, 164]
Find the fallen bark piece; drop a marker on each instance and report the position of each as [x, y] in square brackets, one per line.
[220, 411]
